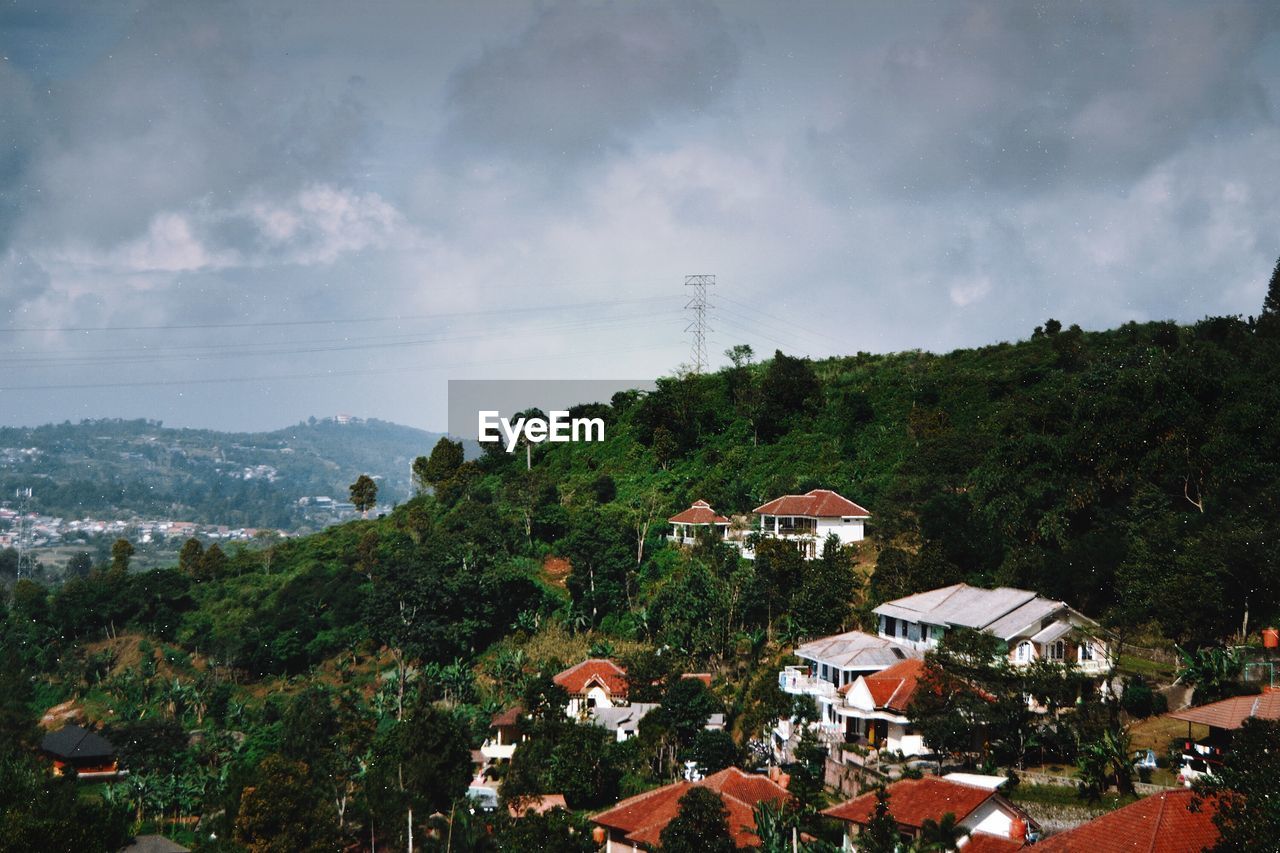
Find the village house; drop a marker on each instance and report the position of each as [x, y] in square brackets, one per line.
[995, 824]
[1160, 823]
[636, 823]
[89, 754]
[831, 663]
[1202, 757]
[623, 721]
[596, 682]
[1032, 627]
[808, 519]
[875, 709]
[501, 745]
[697, 522]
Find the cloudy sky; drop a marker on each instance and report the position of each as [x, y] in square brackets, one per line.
[240, 214]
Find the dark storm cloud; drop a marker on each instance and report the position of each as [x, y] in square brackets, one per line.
[586, 78]
[1024, 97]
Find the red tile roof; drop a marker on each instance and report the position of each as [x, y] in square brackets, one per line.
[893, 688]
[1231, 713]
[699, 513]
[642, 818]
[912, 801]
[509, 717]
[577, 679]
[1161, 823]
[819, 503]
[985, 842]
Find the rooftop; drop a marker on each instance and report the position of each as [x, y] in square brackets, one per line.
[1161, 823]
[1004, 611]
[76, 743]
[913, 801]
[856, 650]
[1231, 713]
[819, 503]
[699, 513]
[579, 678]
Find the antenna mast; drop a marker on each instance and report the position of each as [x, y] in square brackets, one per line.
[698, 326]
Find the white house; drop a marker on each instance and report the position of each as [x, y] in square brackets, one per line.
[623, 721]
[596, 682]
[1033, 627]
[994, 823]
[875, 709]
[699, 519]
[831, 663]
[810, 518]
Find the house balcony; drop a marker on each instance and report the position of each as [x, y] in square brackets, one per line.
[495, 750]
[796, 680]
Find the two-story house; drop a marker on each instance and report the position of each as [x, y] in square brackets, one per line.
[1032, 627]
[810, 518]
[596, 682]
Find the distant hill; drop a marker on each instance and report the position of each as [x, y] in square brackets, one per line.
[121, 468]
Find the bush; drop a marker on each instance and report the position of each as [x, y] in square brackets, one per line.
[1138, 699]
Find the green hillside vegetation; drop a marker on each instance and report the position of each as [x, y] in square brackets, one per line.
[1131, 472]
[126, 468]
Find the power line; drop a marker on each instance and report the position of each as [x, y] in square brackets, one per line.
[329, 321]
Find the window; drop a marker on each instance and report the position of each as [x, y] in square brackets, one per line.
[890, 626]
[1058, 650]
[913, 631]
[1023, 653]
[1086, 651]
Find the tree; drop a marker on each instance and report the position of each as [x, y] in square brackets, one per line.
[1244, 790]
[190, 557]
[701, 825]
[440, 467]
[1213, 672]
[880, 835]
[1269, 319]
[940, 836]
[823, 604]
[283, 811]
[79, 564]
[214, 563]
[364, 494]
[121, 551]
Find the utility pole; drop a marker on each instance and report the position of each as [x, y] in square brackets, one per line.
[698, 326]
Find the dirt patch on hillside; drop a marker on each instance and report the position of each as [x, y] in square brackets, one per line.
[556, 571]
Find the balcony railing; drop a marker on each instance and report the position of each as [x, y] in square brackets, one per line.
[796, 679]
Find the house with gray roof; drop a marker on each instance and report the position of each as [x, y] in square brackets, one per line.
[1032, 627]
[830, 663]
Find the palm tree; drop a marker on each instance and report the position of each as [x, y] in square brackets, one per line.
[940, 836]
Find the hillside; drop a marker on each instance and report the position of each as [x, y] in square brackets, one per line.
[125, 468]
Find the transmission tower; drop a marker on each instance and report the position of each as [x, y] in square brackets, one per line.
[698, 326]
[24, 528]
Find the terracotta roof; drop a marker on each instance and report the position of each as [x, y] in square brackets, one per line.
[642, 818]
[819, 503]
[509, 717]
[577, 679]
[1161, 823]
[985, 842]
[704, 677]
[893, 688]
[699, 513]
[912, 801]
[1231, 713]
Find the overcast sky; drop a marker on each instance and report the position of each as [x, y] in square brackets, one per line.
[237, 215]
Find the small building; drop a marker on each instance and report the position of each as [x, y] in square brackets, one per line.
[1160, 823]
[875, 708]
[596, 682]
[1202, 757]
[830, 663]
[537, 805]
[89, 754]
[506, 735]
[636, 823]
[995, 824]
[623, 720]
[1032, 627]
[697, 522]
[809, 519]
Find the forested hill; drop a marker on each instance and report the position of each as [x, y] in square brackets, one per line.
[122, 468]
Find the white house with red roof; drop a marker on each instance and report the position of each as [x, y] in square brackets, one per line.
[995, 824]
[697, 521]
[596, 682]
[874, 710]
[810, 518]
